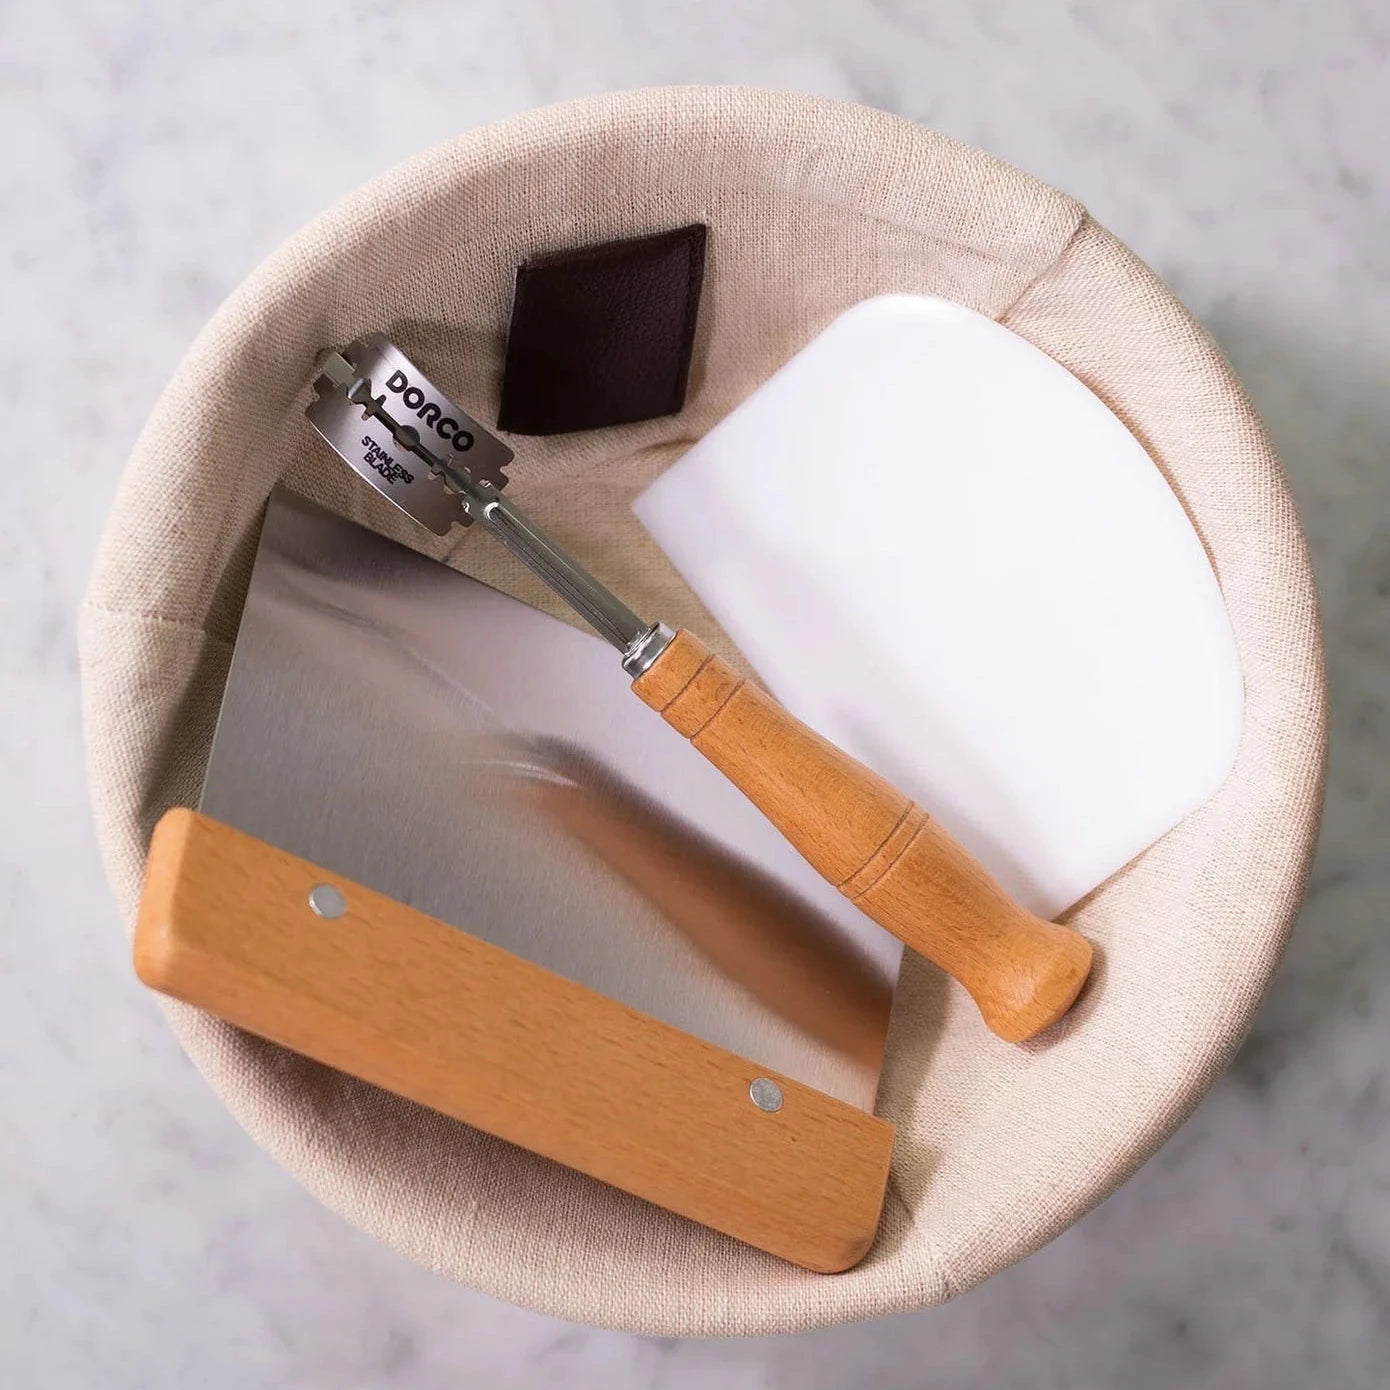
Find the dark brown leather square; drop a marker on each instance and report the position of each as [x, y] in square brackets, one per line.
[602, 335]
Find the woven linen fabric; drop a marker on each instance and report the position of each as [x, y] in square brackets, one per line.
[812, 205]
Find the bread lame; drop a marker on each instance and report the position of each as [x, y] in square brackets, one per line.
[440, 466]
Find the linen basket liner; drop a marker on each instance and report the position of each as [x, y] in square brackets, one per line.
[813, 205]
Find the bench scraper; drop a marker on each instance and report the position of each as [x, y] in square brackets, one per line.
[638, 977]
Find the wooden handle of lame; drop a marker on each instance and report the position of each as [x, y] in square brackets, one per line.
[876, 845]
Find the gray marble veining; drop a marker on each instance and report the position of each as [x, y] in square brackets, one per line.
[155, 153]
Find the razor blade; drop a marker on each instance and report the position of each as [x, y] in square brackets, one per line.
[401, 434]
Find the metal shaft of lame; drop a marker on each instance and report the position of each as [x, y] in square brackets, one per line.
[640, 641]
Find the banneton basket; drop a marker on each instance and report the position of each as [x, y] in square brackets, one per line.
[812, 206]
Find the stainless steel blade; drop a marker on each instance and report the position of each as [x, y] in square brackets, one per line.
[415, 730]
[371, 450]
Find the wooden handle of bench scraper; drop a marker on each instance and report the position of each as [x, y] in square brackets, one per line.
[876, 845]
[302, 956]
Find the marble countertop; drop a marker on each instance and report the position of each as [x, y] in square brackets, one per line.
[157, 152]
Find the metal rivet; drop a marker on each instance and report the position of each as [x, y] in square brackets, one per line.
[766, 1094]
[327, 900]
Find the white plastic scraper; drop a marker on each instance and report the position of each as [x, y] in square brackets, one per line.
[937, 547]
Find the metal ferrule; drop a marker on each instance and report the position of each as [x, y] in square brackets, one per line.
[642, 654]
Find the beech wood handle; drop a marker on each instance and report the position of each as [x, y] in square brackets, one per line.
[876, 845]
[404, 1001]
